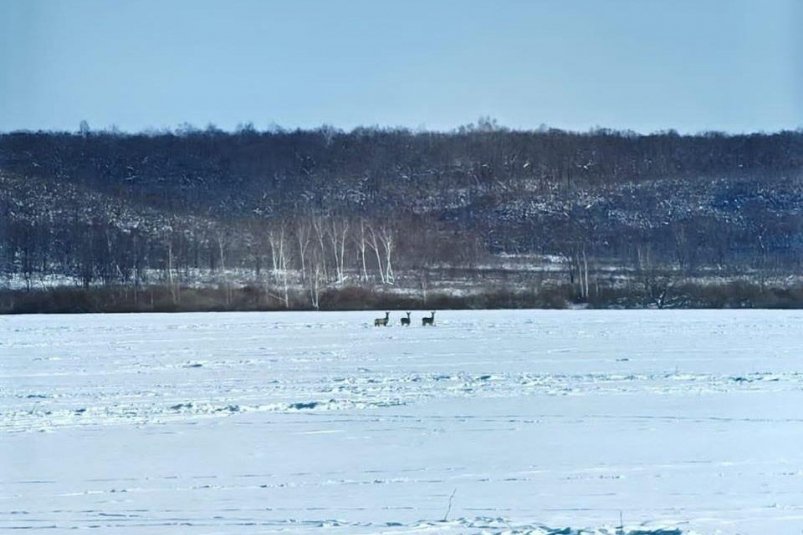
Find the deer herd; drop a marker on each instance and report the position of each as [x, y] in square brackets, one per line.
[383, 322]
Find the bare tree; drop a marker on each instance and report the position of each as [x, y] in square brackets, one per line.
[279, 259]
[580, 262]
[319, 226]
[375, 243]
[314, 278]
[657, 282]
[222, 238]
[338, 231]
[360, 240]
[303, 233]
[386, 238]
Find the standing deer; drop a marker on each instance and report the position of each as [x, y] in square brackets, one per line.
[406, 321]
[428, 321]
[382, 322]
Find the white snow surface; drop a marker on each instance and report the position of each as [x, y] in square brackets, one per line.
[531, 421]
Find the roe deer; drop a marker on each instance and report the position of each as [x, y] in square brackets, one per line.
[382, 322]
[428, 321]
[406, 321]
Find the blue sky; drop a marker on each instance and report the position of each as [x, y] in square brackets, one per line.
[645, 65]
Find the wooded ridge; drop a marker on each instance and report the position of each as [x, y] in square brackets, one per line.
[480, 210]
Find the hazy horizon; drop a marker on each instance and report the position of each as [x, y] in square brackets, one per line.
[185, 128]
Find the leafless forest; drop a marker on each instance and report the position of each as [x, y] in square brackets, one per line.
[199, 219]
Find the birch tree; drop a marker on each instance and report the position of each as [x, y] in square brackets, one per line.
[318, 226]
[303, 235]
[338, 230]
[382, 241]
[361, 242]
[276, 237]
[375, 245]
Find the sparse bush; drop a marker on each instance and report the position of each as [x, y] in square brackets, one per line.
[737, 294]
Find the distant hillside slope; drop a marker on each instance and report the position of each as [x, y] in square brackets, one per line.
[378, 203]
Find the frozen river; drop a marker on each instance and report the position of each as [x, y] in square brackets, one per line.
[490, 422]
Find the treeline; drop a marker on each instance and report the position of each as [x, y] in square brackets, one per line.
[306, 210]
[157, 298]
[277, 169]
[285, 258]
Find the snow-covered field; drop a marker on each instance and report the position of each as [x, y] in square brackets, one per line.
[526, 421]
